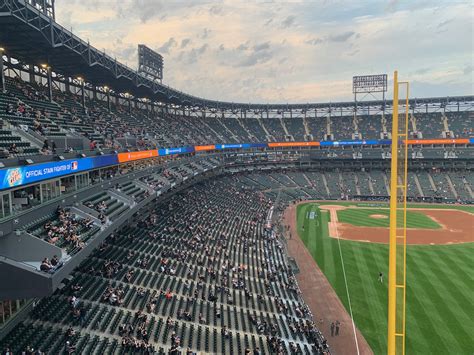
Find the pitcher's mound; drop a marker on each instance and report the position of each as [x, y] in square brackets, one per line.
[378, 216]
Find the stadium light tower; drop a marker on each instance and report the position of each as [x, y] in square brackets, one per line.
[369, 85]
[47, 68]
[2, 73]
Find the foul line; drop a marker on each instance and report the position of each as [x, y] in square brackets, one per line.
[347, 290]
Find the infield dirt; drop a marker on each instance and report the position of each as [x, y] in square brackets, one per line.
[456, 227]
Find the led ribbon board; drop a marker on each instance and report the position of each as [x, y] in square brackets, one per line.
[24, 175]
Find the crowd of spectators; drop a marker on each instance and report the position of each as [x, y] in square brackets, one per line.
[65, 228]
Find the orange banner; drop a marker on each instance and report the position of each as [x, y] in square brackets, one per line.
[131, 156]
[200, 148]
[438, 141]
[294, 144]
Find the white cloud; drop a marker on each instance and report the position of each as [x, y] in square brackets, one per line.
[292, 51]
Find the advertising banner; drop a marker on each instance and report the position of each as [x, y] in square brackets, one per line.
[131, 156]
[24, 175]
[351, 142]
[439, 141]
[202, 148]
[172, 151]
[241, 146]
[294, 144]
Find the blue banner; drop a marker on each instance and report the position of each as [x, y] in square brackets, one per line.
[258, 145]
[229, 146]
[24, 175]
[178, 150]
[354, 142]
[241, 146]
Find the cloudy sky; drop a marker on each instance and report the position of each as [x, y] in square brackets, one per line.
[286, 51]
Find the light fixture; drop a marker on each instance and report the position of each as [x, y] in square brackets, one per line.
[79, 78]
[2, 49]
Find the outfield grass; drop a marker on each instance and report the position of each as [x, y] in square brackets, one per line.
[440, 309]
[361, 217]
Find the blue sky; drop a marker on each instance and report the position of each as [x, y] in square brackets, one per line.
[291, 51]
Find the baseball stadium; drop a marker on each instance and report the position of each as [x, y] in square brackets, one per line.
[325, 216]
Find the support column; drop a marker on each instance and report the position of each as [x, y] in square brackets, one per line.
[108, 99]
[2, 72]
[50, 83]
[31, 71]
[83, 94]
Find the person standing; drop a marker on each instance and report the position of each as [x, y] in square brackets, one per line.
[381, 277]
[338, 324]
[332, 329]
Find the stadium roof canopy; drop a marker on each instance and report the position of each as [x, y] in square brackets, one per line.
[34, 38]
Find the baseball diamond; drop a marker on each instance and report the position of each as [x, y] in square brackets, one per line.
[440, 308]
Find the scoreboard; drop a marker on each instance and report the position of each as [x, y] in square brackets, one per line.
[150, 63]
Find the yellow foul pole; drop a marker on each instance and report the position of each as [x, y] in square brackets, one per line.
[392, 264]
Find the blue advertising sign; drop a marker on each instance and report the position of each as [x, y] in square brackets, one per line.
[229, 146]
[241, 145]
[352, 142]
[24, 175]
[258, 145]
[178, 150]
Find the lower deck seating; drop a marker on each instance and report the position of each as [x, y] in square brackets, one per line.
[197, 271]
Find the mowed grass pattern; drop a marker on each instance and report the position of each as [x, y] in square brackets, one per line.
[440, 286]
[361, 217]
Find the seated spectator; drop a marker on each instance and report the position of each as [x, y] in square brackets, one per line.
[13, 149]
[70, 349]
[45, 146]
[55, 260]
[46, 265]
